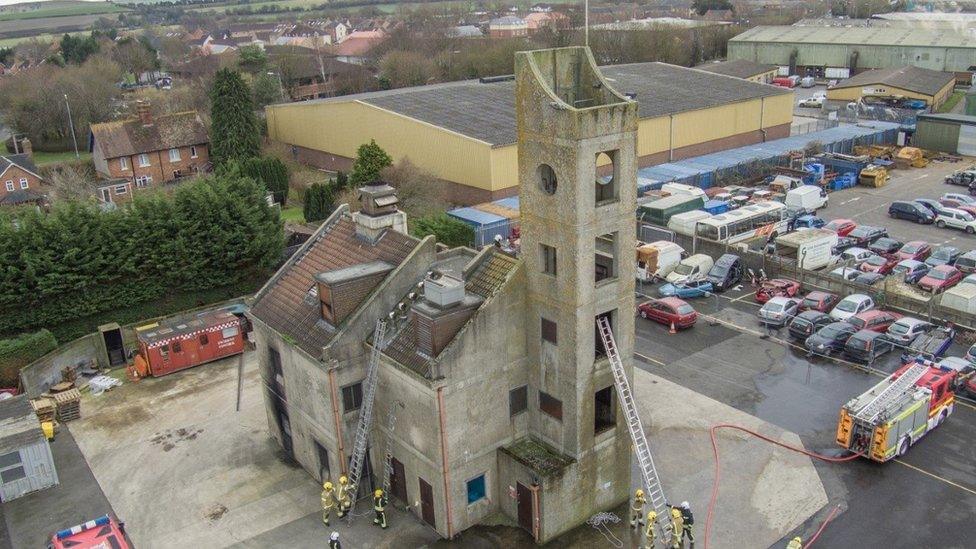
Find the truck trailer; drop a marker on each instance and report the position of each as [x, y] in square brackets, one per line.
[809, 248]
[179, 344]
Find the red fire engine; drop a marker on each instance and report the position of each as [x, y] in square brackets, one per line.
[176, 345]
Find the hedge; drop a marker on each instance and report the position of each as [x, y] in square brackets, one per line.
[20, 351]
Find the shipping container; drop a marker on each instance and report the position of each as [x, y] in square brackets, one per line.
[178, 344]
[660, 211]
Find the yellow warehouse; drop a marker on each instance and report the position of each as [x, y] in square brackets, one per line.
[911, 82]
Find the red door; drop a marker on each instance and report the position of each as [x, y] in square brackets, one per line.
[524, 506]
[427, 503]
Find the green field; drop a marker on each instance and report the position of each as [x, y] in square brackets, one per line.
[63, 9]
[293, 213]
[44, 158]
[385, 8]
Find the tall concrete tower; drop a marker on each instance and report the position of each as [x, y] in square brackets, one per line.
[577, 140]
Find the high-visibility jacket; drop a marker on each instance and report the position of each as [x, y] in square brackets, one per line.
[328, 499]
[638, 504]
[379, 503]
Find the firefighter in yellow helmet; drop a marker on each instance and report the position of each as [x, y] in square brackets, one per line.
[649, 530]
[637, 509]
[342, 495]
[328, 501]
[379, 505]
[795, 543]
[677, 525]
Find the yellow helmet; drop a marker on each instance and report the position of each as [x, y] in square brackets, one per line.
[343, 479]
[651, 516]
[327, 485]
[378, 492]
[639, 493]
[675, 513]
[797, 539]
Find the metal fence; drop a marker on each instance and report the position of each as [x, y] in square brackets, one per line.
[650, 233]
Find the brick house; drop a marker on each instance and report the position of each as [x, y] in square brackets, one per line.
[146, 152]
[19, 181]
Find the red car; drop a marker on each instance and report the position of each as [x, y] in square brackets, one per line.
[842, 227]
[875, 320]
[915, 249]
[940, 278]
[669, 310]
[776, 287]
[103, 532]
[819, 301]
[881, 264]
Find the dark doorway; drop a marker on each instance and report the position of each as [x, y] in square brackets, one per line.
[284, 425]
[427, 503]
[323, 455]
[114, 346]
[398, 484]
[366, 481]
[524, 506]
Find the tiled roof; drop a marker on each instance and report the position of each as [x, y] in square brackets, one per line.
[283, 305]
[168, 131]
[20, 160]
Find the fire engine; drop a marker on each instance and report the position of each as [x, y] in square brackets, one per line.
[102, 533]
[885, 421]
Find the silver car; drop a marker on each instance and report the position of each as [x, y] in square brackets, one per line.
[906, 329]
[779, 310]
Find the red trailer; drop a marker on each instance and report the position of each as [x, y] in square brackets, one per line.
[784, 82]
[176, 345]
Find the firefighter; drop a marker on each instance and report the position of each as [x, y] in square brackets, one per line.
[677, 526]
[637, 509]
[334, 541]
[328, 501]
[379, 505]
[649, 530]
[342, 496]
[795, 543]
[687, 521]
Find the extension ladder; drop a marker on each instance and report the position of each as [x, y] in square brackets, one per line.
[366, 412]
[891, 393]
[388, 457]
[652, 484]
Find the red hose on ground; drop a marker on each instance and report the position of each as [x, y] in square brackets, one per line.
[829, 518]
[718, 471]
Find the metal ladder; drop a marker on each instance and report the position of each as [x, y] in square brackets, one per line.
[365, 412]
[388, 457]
[891, 393]
[652, 484]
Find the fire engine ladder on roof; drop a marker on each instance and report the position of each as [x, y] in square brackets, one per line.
[652, 484]
[388, 457]
[891, 393]
[366, 412]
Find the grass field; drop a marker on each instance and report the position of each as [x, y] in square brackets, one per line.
[951, 102]
[63, 9]
[293, 213]
[45, 158]
[385, 8]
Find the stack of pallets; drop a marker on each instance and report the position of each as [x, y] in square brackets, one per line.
[68, 404]
[44, 407]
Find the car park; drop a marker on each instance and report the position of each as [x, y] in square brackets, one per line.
[904, 330]
[819, 301]
[875, 320]
[869, 279]
[886, 245]
[687, 289]
[854, 256]
[943, 255]
[910, 211]
[967, 262]
[726, 272]
[866, 234]
[806, 323]
[933, 205]
[831, 337]
[668, 311]
[845, 273]
[777, 287]
[867, 346]
[851, 305]
[910, 271]
[778, 311]
[940, 278]
[956, 219]
[880, 264]
[960, 198]
[690, 268]
[842, 227]
[915, 249]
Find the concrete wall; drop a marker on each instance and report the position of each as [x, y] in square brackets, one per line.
[38, 376]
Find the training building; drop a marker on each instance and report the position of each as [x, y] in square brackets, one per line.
[839, 52]
[26, 462]
[494, 367]
[465, 132]
[951, 133]
[933, 87]
[740, 68]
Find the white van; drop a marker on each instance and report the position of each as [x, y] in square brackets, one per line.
[808, 198]
[657, 259]
[691, 268]
[685, 223]
[672, 189]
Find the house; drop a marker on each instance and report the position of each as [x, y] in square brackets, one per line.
[147, 151]
[465, 31]
[551, 19]
[503, 393]
[26, 462]
[204, 66]
[307, 75]
[337, 30]
[357, 46]
[19, 180]
[507, 27]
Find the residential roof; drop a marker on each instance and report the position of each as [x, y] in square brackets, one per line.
[19, 196]
[902, 36]
[486, 112]
[204, 65]
[359, 43]
[20, 160]
[739, 68]
[911, 78]
[508, 21]
[307, 65]
[168, 131]
[19, 425]
[283, 305]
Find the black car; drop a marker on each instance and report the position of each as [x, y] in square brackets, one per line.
[867, 345]
[911, 211]
[943, 255]
[865, 234]
[844, 243]
[726, 272]
[869, 279]
[886, 245]
[806, 323]
[831, 337]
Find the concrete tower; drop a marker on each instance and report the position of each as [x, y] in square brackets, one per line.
[577, 142]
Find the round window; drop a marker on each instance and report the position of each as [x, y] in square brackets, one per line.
[547, 178]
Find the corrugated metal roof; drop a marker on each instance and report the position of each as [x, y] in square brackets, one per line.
[475, 217]
[739, 68]
[906, 36]
[909, 78]
[966, 119]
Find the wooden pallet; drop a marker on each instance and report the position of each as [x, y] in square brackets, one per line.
[69, 404]
[44, 407]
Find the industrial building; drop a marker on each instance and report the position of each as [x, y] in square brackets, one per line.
[502, 388]
[838, 52]
[465, 132]
[933, 87]
[740, 68]
[950, 133]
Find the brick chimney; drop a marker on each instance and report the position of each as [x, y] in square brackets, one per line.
[145, 113]
[379, 211]
[445, 308]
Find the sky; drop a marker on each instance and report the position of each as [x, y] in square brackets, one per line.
[9, 2]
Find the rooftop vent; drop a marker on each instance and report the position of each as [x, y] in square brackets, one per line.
[443, 289]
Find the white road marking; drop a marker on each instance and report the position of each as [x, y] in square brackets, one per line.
[855, 199]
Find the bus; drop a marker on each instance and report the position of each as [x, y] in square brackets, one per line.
[762, 219]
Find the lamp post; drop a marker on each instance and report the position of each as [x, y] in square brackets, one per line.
[281, 87]
[71, 124]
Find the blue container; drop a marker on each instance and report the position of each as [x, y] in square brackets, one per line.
[716, 207]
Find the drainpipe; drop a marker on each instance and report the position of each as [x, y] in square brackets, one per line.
[447, 485]
[338, 422]
[762, 116]
[671, 138]
[534, 488]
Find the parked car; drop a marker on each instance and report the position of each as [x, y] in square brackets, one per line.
[819, 301]
[904, 330]
[956, 219]
[690, 268]
[843, 243]
[949, 203]
[669, 310]
[687, 289]
[881, 264]
[963, 178]
[851, 305]
[831, 337]
[842, 227]
[867, 346]
[809, 222]
[845, 273]
[943, 255]
[929, 345]
[886, 245]
[971, 353]
[968, 279]
[967, 262]
[940, 278]
[933, 205]
[869, 279]
[968, 208]
[875, 320]
[777, 287]
[955, 364]
[806, 323]
[914, 249]
[866, 234]
[778, 311]
[910, 270]
[854, 256]
[811, 102]
[726, 272]
[911, 211]
[960, 198]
